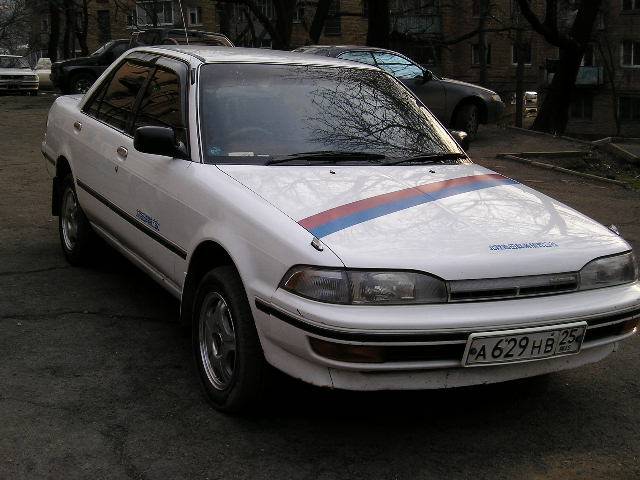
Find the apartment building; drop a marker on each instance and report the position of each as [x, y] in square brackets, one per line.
[440, 34]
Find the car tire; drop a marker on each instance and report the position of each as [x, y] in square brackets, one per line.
[76, 235]
[81, 82]
[468, 119]
[225, 343]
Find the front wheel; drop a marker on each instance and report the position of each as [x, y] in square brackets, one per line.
[81, 82]
[225, 342]
[468, 119]
[76, 236]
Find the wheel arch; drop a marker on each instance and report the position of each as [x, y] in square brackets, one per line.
[63, 168]
[471, 100]
[207, 255]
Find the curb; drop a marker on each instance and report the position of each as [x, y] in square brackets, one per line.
[545, 134]
[561, 169]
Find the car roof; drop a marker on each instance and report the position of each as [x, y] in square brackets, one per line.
[342, 48]
[208, 54]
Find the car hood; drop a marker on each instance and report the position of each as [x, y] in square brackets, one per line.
[77, 61]
[16, 71]
[454, 221]
[480, 89]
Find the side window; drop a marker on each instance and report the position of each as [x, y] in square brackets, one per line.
[117, 103]
[362, 57]
[93, 104]
[162, 105]
[397, 66]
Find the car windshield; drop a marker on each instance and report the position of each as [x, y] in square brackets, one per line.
[257, 113]
[102, 49]
[13, 62]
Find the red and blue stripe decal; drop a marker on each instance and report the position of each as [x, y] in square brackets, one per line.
[345, 216]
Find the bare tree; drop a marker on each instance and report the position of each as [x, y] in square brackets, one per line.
[553, 114]
[14, 18]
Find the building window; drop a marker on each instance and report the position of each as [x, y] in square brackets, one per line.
[333, 23]
[588, 59]
[629, 109]
[630, 53]
[194, 16]
[527, 54]
[161, 10]
[104, 26]
[475, 54]
[365, 8]
[582, 106]
[266, 7]
[630, 5]
[298, 14]
[475, 8]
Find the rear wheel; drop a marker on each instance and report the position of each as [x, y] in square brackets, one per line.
[76, 236]
[225, 342]
[468, 119]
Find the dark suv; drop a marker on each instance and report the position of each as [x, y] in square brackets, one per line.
[177, 36]
[76, 75]
[458, 105]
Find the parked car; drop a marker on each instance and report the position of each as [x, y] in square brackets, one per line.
[43, 69]
[456, 104]
[17, 76]
[178, 36]
[76, 75]
[311, 215]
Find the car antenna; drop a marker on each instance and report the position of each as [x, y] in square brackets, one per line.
[184, 25]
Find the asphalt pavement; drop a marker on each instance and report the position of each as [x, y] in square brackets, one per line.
[96, 378]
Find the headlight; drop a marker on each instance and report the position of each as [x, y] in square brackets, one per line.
[364, 287]
[496, 98]
[609, 271]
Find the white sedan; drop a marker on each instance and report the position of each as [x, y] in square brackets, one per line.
[17, 76]
[311, 214]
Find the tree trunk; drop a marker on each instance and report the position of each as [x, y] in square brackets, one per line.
[378, 31]
[482, 41]
[284, 24]
[68, 29]
[54, 33]
[319, 19]
[519, 45]
[553, 114]
[82, 34]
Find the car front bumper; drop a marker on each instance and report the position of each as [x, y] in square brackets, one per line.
[425, 344]
[18, 85]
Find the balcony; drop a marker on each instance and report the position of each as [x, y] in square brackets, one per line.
[588, 76]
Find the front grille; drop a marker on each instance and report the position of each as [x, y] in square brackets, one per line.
[511, 287]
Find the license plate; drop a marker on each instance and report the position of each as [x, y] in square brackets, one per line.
[524, 344]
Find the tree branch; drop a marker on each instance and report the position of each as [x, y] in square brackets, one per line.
[548, 31]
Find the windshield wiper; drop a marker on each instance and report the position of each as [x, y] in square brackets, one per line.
[330, 156]
[429, 158]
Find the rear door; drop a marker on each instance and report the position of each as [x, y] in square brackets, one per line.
[427, 87]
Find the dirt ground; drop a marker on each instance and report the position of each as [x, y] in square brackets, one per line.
[96, 378]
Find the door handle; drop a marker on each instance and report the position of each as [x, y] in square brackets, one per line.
[122, 152]
[77, 126]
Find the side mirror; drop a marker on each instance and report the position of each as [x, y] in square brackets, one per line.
[158, 141]
[427, 76]
[461, 137]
